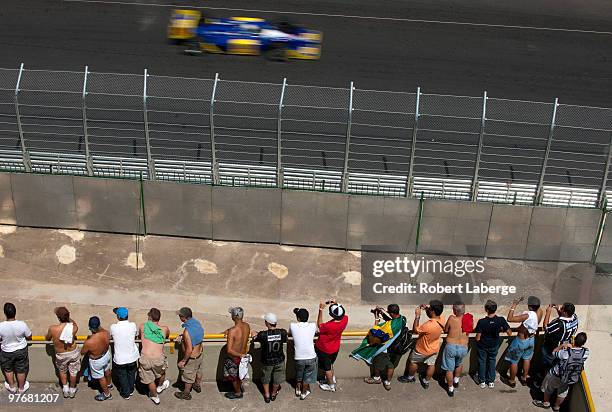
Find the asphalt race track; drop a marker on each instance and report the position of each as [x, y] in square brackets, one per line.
[380, 54]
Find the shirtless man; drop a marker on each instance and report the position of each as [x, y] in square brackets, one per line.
[67, 354]
[97, 347]
[191, 348]
[456, 347]
[522, 346]
[153, 364]
[237, 348]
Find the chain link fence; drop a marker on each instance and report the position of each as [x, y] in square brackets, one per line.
[226, 132]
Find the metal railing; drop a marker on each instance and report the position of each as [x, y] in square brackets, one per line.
[389, 143]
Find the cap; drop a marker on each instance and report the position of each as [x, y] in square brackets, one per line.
[336, 311]
[270, 318]
[236, 312]
[121, 312]
[94, 322]
[184, 312]
[62, 313]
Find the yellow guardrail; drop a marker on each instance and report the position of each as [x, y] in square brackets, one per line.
[587, 391]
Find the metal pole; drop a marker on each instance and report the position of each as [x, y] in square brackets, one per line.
[409, 183]
[150, 164]
[279, 147]
[479, 151]
[214, 167]
[347, 147]
[24, 151]
[88, 159]
[604, 182]
[540, 189]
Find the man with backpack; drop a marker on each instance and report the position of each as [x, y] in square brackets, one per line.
[566, 370]
[384, 345]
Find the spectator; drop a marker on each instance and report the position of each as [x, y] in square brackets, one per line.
[191, 344]
[125, 352]
[558, 331]
[376, 349]
[14, 336]
[303, 333]
[328, 344]
[97, 348]
[427, 344]
[67, 353]
[522, 346]
[153, 364]
[565, 372]
[487, 343]
[457, 331]
[237, 349]
[272, 356]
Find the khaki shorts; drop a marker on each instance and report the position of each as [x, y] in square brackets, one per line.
[192, 369]
[552, 384]
[150, 369]
[416, 357]
[69, 361]
[273, 373]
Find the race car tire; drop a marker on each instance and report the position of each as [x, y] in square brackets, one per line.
[277, 53]
[192, 48]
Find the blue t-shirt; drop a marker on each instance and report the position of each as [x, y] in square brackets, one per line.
[489, 329]
[195, 330]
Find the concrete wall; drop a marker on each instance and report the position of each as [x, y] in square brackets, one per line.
[334, 220]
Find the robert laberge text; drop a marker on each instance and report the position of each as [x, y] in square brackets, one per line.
[424, 288]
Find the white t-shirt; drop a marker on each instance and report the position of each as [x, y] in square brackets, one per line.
[13, 335]
[124, 336]
[531, 323]
[303, 339]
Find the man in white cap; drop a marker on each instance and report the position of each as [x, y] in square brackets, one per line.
[272, 356]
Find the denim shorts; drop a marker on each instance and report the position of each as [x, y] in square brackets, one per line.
[520, 349]
[453, 356]
[306, 370]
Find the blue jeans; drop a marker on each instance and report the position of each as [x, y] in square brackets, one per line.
[487, 359]
[125, 376]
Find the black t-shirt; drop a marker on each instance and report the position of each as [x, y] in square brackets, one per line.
[489, 329]
[272, 346]
[560, 330]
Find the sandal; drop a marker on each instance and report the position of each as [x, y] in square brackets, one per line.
[372, 380]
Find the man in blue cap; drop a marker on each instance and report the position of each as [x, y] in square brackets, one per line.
[125, 353]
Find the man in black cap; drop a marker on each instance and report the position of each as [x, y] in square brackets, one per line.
[97, 347]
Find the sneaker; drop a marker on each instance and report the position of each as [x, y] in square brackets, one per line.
[298, 392]
[407, 379]
[424, 383]
[455, 383]
[507, 381]
[304, 395]
[9, 388]
[197, 388]
[163, 386]
[372, 380]
[127, 398]
[450, 391]
[387, 385]
[66, 393]
[482, 385]
[110, 386]
[155, 399]
[326, 387]
[26, 386]
[73, 392]
[334, 379]
[232, 395]
[541, 404]
[102, 397]
[182, 395]
[491, 385]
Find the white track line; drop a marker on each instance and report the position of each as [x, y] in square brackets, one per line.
[349, 16]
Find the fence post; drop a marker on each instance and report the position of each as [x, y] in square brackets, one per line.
[150, 164]
[214, 167]
[347, 147]
[409, 183]
[479, 151]
[24, 151]
[279, 147]
[88, 159]
[540, 189]
[604, 182]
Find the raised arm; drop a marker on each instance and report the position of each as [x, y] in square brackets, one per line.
[320, 316]
[516, 318]
[417, 318]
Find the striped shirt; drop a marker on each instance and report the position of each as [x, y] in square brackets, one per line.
[560, 330]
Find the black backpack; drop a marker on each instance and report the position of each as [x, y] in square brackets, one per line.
[403, 342]
[571, 368]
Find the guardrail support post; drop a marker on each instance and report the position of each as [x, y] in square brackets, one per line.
[24, 151]
[150, 163]
[279, 147]
[88, 159]
[479, 151]
[409, 182]
[214, 167]
[345, 172]
[539, 195]
[604, 182]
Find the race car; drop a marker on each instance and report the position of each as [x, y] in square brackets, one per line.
[248, 36]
